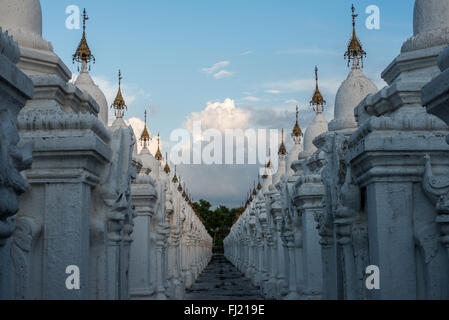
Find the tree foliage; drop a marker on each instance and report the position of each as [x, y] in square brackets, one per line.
[217, 222]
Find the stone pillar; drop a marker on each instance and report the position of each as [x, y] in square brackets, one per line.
[387, 156]
[15, 89]
[435, 98]
[143, 199]
[308, 200]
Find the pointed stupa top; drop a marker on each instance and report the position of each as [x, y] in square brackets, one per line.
[317, 101]
[175, 177]
[297, 132]
[167, 167]
[145, 136]
[254, 189]
[259, 185]
[158, 154]
[269, 164]
[84, 81]
[119, 103]
[83, 53]
[282, 148]
[355, 52]
[265, 174]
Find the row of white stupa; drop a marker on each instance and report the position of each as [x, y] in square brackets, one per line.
[94, 220]
[362, 211]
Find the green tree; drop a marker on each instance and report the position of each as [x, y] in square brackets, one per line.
[217, 222]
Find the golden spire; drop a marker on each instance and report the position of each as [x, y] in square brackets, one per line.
[269, 165]
[259, 186]
[83, 54]
[355, 50]
[282, 149]
[297, 132]
[254, 189]
[145, 136]
[265, 174]
[158, 154]
[179, 185]
[317, 100]
[184, 194]
[119, 103]
[167, 167]
[175, 178]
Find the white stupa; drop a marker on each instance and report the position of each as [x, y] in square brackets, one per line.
[24, 23]
[430, 25]
[84, 81]
[354, 89]
[319, 124]
[293, 153]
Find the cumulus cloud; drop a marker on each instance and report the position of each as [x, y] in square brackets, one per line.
[291, 101]
[273, 91]
[221, 116]
[228, 184]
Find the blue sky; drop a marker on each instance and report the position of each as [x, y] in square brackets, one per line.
[271, 48]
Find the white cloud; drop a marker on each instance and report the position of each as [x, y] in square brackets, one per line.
[251, 98]
[246, 53]
[291, 101]
[273, 91]
[223, 74]
[216, 67]
[221, 116]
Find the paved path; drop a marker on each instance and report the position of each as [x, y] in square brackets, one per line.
[222, 281]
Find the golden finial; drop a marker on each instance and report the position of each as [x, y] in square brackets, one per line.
[119, 103]
[83, 54]
[179, 185]
[297, 132]
[282, 149]
[167, 167]
[265, 174]
[355, 50]
[317, 100]
[158, 154]
[145, 136]
[254, 189]
[259, 186]
[269, 165]
[175, 178]
[184, 194]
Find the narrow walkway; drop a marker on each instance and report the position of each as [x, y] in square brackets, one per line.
[222, 281]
